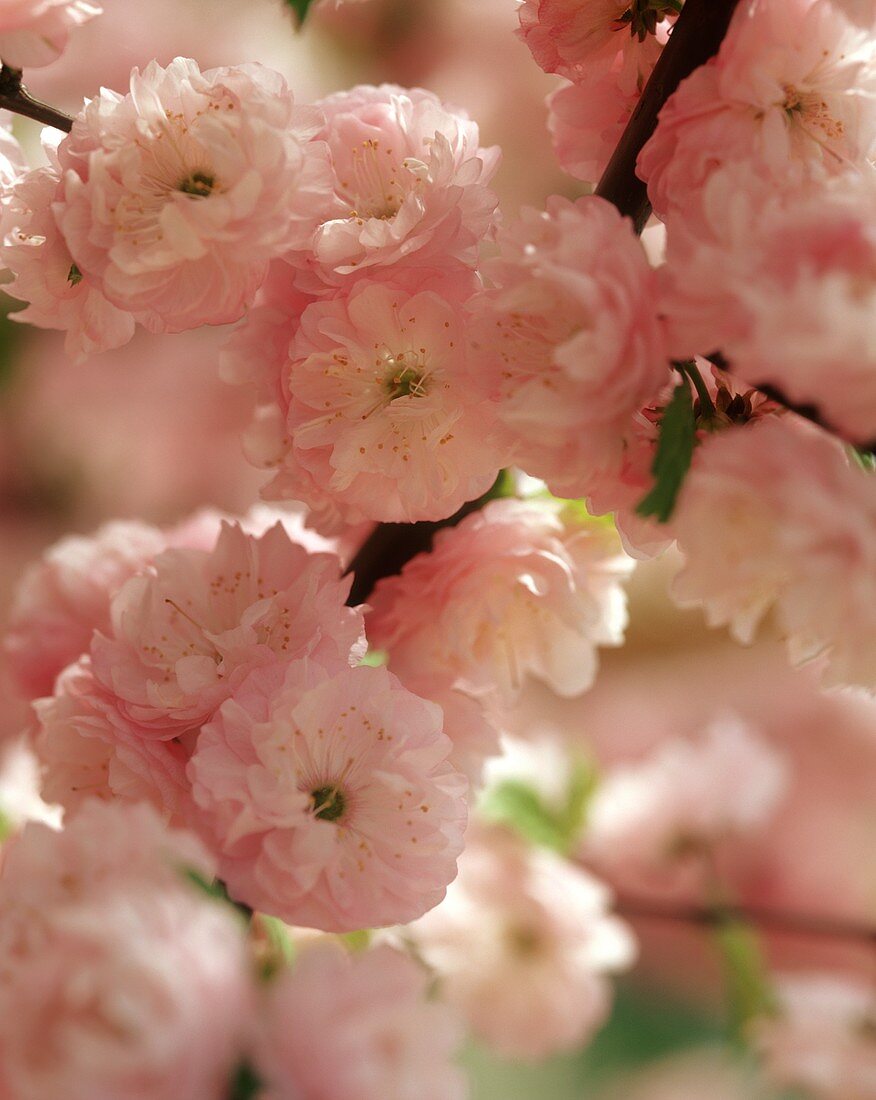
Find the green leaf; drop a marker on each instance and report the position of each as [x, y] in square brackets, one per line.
[245, 1084]
[300, 9]
[281, 947]
[748, 991]
[356, 941]
[375, 658]
[675, 447]
[6, 827]
[215, 889]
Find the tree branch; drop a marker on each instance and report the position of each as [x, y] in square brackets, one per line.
[708, 916]
[16, 98]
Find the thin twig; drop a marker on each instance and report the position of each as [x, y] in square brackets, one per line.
[16, 98]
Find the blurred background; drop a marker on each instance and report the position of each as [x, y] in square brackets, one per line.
[151, 432]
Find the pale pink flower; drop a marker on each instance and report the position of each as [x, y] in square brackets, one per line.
[360, 1027]
[87, 749]
[586, 120]
[35, 32]
[380, 421]
[518, 589]
[20, 797]
[62, 599]
[118, 977]
[793, 85]
[410, 184]
[790, 293]
[186, 632]
[822, 1037]
[522, 947]
[46, 276]
[177, 195]
[568, 336]
[330, 797]
[860, 12]
[684, 798]
[776, 514]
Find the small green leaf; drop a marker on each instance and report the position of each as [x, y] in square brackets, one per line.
[281, 952]
[300, 9]
[675, 447]
[215, 889]
[749, 994]
[6, 827]
[245, 1084]
[375, 658]
[356, 941]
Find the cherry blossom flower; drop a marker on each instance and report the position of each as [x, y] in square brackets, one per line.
[177, 195]
[410, 184]
[518, 589]
[63, 598]
[685, 797]
[522, 946]
[381, 421]
[34, 32]
[568, 336]
[330, 797]
[791, 94]
[47, 277]
[186, 633]
[775, 514]
[586, 120]
[822, 1036]
[357, 1028]
[118, 977]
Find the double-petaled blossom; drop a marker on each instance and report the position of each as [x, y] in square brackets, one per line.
[330, 797]
[176, 196]
[821, 1037]
[790, 94]
[357, 1028]
[118, 976]
[523, 945]
[519, 589]
[684, 798]
[776, 514]
[185, 633]
[568, 336]
[378, 418]
[34, 32]
[409, 185]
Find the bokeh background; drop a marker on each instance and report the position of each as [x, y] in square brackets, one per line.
[151, 432]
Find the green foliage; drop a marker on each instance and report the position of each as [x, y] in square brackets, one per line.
[300, 9]
[745, 974]
[516, 804]
[6, 827]
[246, 1084]
[675, 447]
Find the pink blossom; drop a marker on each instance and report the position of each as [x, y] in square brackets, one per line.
[177, 195]
[586, 120]
[790, 293]
[63, 598]
[522, 946]
[822, 1037]
[410, 184]
[518, 589]
[568, 336]
[793, 85]
[330, 797]
[775, 514]
[686, 796]
[35, 32]
[47, 277]
[380, 421]
[359, 1027]
[119, 978]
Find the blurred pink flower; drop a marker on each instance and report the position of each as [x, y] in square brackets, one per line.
[410, 184]
[522, 946]
[35, 32]
[822, 1037]
[359, 1027]
[186, 633]
[178, 226]
[586, 120]
[684, 798]
[518, 589]
[568, 336]
[119, 978]
[380, 418]
[330, 797]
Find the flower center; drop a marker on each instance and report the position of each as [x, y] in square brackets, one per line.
[524, 940]
[74, 275]
[199, 184]
[406, 376]
[329, 803]
[811, 109]
[643, 16]
[374, 185]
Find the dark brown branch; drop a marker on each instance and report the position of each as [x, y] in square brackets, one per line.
[770, 920]
[16, 98]
[695, 38]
